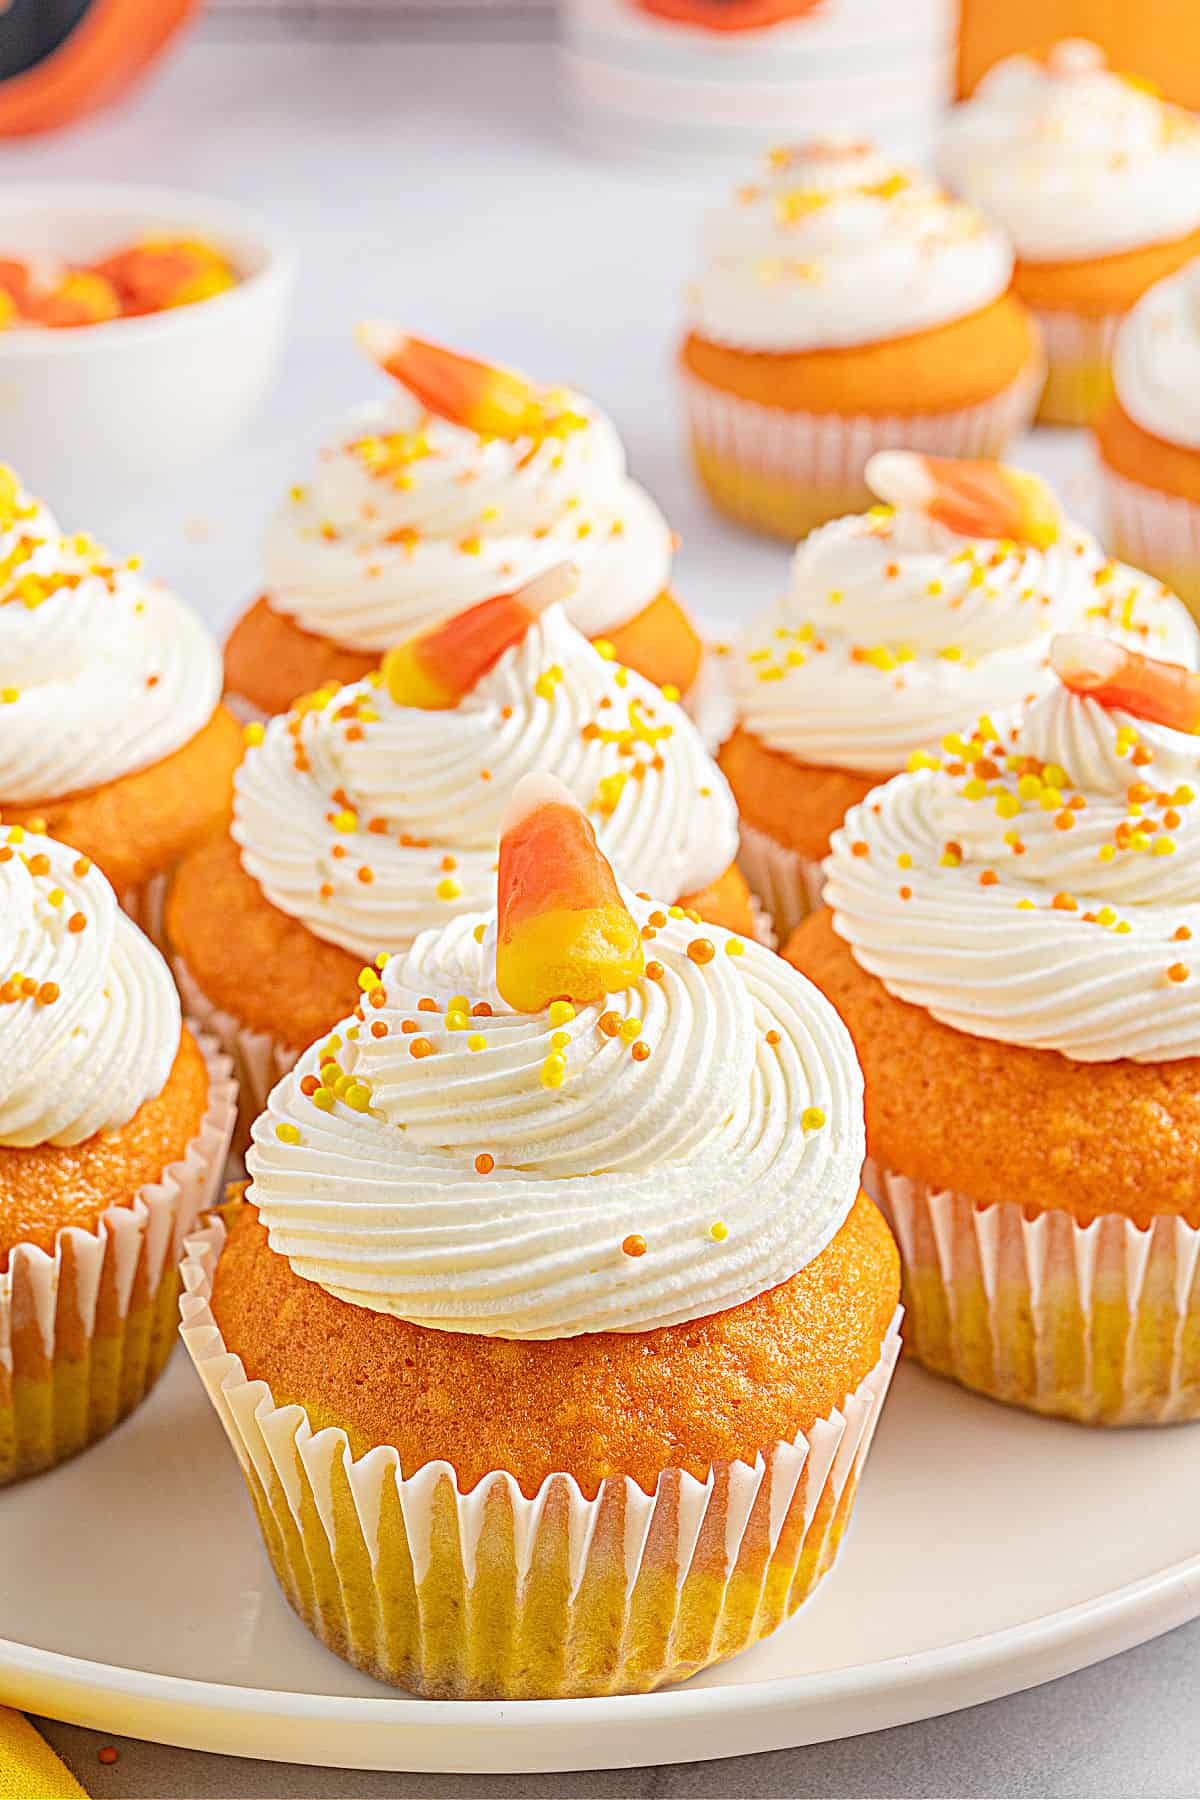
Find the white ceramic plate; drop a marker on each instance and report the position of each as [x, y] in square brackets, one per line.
[990, 1551]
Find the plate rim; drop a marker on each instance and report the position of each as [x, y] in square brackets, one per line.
[814, 1707]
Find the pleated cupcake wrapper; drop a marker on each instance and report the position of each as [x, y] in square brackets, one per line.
[86, 1329]
[243, 710]
[259, 1060]
[1154, 531]
[1079, 351]
[146, 905]
[1099, 1322]
[489, 1593]
[787, 885]
[786, 471]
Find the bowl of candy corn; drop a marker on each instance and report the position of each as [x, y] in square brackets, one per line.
[139, 329]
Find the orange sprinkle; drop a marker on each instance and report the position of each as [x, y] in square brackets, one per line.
[1182, 934]
[108, 1754]
[906, 893]
[1065, 903]
[481, 1010]
[1178, 972]
[82, 867]
[859, 848]
[449, 862]
[47, 994]
[408, 1026]
[379, 1029]
[1141, 756]
[484, 1164]
[988, 878]
[609, 1023]
[76, 922]
[420, 1047]
[39, 864]
[772, 1038]
[701, 951]
[634, 1244]
[377, 997]
[425, 1004]
[309, 1085]
[640, 1051]
[1064, 821]
[654, 971]
[366, 875]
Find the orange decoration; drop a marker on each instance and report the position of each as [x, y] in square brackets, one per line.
[435, 669]
[975, 499]
[1162, 693]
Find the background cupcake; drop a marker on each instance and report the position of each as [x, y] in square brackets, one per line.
[371, 813]
[1011, 945]
[114, 1123]
[1097, 182]
[608, 1425]
[112, 734]
[1149, 435]
[467, 481]
[898, 624]
[844, 305]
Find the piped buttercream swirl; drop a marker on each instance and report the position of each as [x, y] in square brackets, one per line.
[1156, 364]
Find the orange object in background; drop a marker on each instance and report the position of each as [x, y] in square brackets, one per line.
[60, 59]
[1158, 39]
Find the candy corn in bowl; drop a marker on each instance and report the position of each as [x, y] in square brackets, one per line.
[370, 813]
[123, 366]
[1012, 949]
[465, 480]
[553, 1329]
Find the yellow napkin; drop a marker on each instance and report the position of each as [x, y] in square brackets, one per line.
[29, 1769]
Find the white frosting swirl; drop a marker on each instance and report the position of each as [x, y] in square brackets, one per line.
[423, 792]
[895, 630]
[835, 245]
[1074, 160]
[101, 671]
[387, 1208]
[410, 519]
[99, 1033]
[1156, 365]
[1014, 928]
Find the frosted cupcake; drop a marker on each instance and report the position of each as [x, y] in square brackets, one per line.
[467, 481]
[581, 1298]
[114, 1122]
[1149, 435]
[112, 735]
[1011, 945]
[899, 624]
[370, 813]
[1097, 182]
[844, 305]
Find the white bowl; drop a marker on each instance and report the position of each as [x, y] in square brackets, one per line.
[92, 416]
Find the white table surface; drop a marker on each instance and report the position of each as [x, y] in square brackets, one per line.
[432, 182]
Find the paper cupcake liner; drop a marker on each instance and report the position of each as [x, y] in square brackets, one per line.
[785, 472]
[243, 710]
[491, 1594]
[146, 906]
[1098, 1323]
[1154, 531]
[787, 885]
[258, 1059]
[85, 1330]
[1079, 354]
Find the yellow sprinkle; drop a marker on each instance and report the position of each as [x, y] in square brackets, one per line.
[1123, 926]
[357, 1096]
[559, 1040]
[1026, 906]
[951, 653]
[561, 1011]
[1106, 916]
[1053, 776]
[812, 1118]
[384, 958]
[921, 759]
[734, 947]
[1007, 806]
[9, 695]
[630, 1028]
[772, 674]
[288, 1134]
[479, 932]
[457, 1021]
[718, 1230]
[1107, 852]
[56, 895]
[1164, 846]
[675, 912]
[554, 1071]
[347, 820]
[324, 1099]
[670, 691]
[1029, 787]
[476, 1041]
[367, 980]
[603, 648]
[975, 789]
[448, 888]
[254, 732]
[904, 860]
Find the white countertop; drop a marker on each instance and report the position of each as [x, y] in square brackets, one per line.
[432, 182]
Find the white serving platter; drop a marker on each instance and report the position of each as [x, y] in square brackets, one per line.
[990, 1551]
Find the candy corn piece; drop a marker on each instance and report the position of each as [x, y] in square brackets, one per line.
[1162, 693]
[975, 499]
[563, 930]
[79, 297]
[437, 667]
[492, 401]
[164, 272]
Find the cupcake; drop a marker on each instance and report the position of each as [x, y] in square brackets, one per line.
[899, 624]
[1097, 182]
[370, 813]
[114, 1122]
[1011, 946]
[1148, 436]
[112, 734]
[467, 481]
[844, 306]
[580, 1300]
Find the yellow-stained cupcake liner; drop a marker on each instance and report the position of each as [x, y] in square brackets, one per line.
[1154, 531]
[1099, 1323]
[787, 885]
[259, 1060]
[1079, 352]
[785, 472]
[86, 1330]
[493, 1594]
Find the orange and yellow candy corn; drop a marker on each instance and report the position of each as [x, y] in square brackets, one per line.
[492, 401]
[563, 930]
[159, 273]
[975, 499]
[437, 667]
[80, 297]
[1161, 693]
